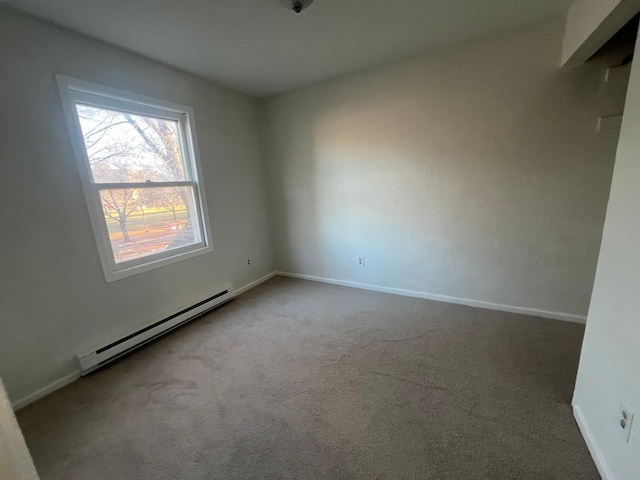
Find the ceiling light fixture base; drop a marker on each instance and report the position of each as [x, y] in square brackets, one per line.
[296, 6]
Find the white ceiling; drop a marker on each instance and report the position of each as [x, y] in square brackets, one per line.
[260, 48]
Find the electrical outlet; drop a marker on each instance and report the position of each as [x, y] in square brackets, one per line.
[360, 261]
[248, 262]
[625, 421]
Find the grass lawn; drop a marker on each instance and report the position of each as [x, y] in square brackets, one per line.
[157, 220]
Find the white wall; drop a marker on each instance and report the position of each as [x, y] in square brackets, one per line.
[474, 172]
[53, 296]
[610, 356]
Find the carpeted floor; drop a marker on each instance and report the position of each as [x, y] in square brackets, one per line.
[297, 379]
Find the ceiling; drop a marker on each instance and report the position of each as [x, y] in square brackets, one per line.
[260, 48]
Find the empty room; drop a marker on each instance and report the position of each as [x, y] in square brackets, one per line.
[319, 239]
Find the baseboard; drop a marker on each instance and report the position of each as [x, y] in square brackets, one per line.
[592, 445]
[44, 391]
[567, 317]
[256, 283]
[67, 379]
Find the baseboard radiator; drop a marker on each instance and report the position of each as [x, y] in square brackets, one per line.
[118, 348]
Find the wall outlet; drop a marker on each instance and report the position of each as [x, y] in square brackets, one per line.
[625, 421]
[248, 262]
[360, 261]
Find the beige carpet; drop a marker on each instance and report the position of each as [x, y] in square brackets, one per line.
[297, 379]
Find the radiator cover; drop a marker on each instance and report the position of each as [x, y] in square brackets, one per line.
[118, 348]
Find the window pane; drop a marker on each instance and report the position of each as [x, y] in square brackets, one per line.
[147, 221]
[123, 147]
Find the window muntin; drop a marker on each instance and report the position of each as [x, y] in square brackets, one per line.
[139, 167]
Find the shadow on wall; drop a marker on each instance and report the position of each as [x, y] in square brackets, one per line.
[569, 207]
[294, 204]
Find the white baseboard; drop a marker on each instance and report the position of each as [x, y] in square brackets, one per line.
[567, 317]
[592, 445]
[44, 391]
[256, 283]
[67, 379]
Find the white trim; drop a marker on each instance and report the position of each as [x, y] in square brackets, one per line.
[44, 391]
[592, 445]
[567, 317]
[255, 283]
[89, 88]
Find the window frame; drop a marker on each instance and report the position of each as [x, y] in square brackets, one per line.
[73, 92]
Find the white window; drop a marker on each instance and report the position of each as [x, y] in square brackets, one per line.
[140, 172]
